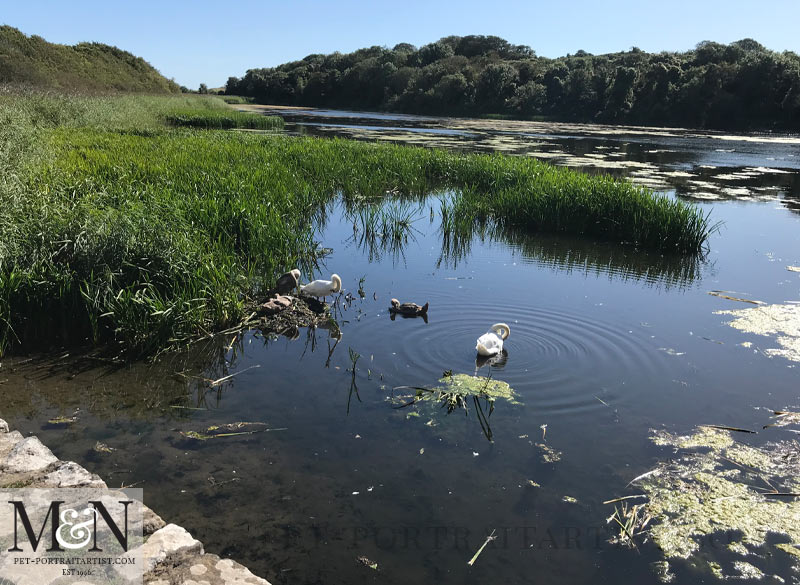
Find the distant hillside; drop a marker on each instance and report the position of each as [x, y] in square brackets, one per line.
[86, 66]
[739, 86]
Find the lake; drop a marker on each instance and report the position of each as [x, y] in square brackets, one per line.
[607, 344]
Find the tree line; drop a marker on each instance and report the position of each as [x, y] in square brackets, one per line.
[736, 86]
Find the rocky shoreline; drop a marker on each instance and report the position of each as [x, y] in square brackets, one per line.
[172, 556]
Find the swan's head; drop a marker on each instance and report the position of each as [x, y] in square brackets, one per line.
[502, 330]
[395, 303]
[296, 273]
[337, 282]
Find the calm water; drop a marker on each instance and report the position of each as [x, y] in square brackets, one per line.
[606, 343]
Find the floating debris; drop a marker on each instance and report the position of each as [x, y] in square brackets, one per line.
[102, 448]
[569, 500]
[624, 498]
[549, 455]
[662, 571]
[62, 420]
[489, 539]
[368, 563]
[793, 268]
[780, 320]
[719, 293]
[784, 418]
[733, 429]
[229, 430]
[532, 483]
[670, 351]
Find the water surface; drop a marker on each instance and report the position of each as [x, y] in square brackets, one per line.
[606, 343]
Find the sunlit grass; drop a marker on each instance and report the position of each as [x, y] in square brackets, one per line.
[223, 120]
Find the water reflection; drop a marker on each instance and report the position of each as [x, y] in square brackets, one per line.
[570, 254]
[386, 228]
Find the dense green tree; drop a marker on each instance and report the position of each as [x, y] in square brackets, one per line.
[496, 84]
[741, 85]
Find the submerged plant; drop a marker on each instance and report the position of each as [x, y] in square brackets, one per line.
[456, 391]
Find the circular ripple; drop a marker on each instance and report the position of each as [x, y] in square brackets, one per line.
[557, 360]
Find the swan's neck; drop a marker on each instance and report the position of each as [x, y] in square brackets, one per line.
[337, 283]
[502, 330]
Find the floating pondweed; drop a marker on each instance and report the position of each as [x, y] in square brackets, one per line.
[782, 320]
[717, 488]
[456, 391]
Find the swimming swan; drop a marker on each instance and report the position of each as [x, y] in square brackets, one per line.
[323, 288]
[491, 342]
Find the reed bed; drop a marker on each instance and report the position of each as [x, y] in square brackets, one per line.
[116, 228]
[223, 120]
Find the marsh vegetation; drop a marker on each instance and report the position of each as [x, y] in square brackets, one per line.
[117, 228]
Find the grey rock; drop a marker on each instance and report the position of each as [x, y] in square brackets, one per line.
[3, 426]
[151, 521]
[206, 569]
[27, 455]
[71, 475]
[7, 442]
[169, 545]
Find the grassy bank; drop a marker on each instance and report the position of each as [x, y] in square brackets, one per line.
[115, 227]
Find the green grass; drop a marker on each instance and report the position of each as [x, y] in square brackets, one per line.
[31, 60]
[237, 99]
[117, 228]
[536, 196]
[224, 120]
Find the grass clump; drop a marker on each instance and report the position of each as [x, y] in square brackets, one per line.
[534, 196]
[224, 120]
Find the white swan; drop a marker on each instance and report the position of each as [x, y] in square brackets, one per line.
[491, 342]
[323, 288]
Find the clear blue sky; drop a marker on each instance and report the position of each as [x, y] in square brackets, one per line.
[208, 41]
